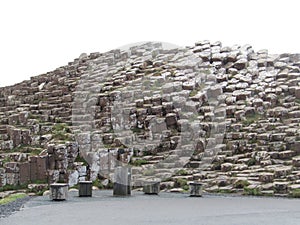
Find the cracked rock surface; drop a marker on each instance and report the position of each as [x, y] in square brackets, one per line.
[225, 116]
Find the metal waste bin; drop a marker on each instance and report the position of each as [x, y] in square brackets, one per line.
[58, 191]
[151, 187]
[85, 188]
[195, 189]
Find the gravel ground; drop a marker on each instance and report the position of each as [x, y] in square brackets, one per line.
[10, 208]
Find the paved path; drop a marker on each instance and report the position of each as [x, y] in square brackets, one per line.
[166, 208]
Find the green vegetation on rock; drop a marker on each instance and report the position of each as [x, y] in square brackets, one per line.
[12, 198]
[251, 119]
[60, 131]
[252, 191]
[9, 187]
[241, 184]
[182, 172]
[139, 162]
[295, 193]
[181, 183]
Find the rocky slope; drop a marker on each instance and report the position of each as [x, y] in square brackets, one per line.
[226, 116]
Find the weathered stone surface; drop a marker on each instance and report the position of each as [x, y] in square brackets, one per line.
[241, 64]
[296, 161]
[25, 172]
[266, 177]
[225, 167]
[171, 120]
[214, 92]
[281, 187]
[172, 98]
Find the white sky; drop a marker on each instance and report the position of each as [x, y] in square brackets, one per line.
[38, 35]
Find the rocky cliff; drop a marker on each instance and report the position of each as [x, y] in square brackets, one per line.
[225, 116]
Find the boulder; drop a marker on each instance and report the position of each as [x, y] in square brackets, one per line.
[266, 177]
[225, 167]
[171, 120]
[281, 187]
[241, 64]
[296, 161]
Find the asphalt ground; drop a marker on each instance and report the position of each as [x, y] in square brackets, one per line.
[166, 208]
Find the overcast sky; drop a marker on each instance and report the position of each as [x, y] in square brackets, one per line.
[39, 36]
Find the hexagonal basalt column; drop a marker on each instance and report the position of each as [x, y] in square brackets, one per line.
[122, 181]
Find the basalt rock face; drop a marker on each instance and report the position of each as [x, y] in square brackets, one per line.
[225, 116]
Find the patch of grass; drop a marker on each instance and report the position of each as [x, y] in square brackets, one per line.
[251, 162]
[6, 160]
[181, 183]
[140, 162]
[110, 185]
[32, 150]
[147, 153]
[186, 187]
[12, 198]
[295, 193]
[252, 141]
[149, 172]
[225, 191]
[193, 93]
[20, 148]
[241, 184]
[60, 132]
[251, 119]
[297, 101]
[252, 191]
[9, 187]
[61, 136]
[36, 151]
[182, 172]
[81, 159]
[97, 183]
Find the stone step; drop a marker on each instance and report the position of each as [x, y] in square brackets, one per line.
[3, 129]
[46, 106]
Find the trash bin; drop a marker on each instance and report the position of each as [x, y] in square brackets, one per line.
[85, 188]
[195, 189]
[151, 187]
[58, 191]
